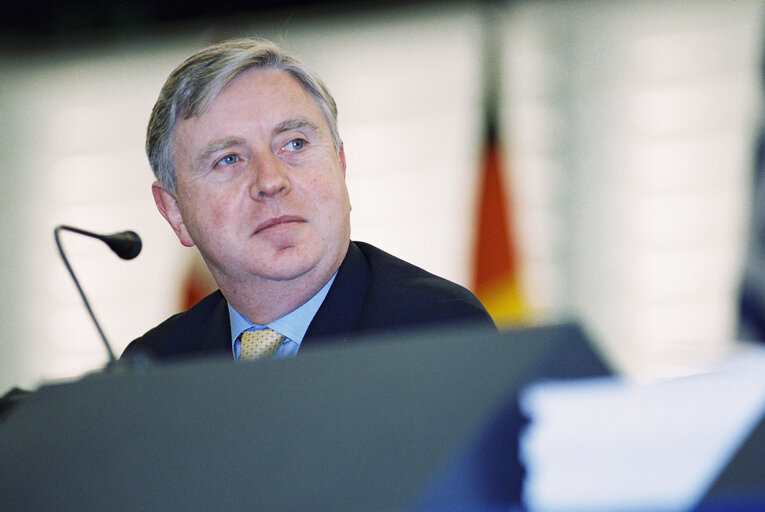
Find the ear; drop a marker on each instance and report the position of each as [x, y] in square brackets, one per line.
[167, 204]
[341, 155]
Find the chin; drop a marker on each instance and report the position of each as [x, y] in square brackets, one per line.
[285, 267]
[296, 261]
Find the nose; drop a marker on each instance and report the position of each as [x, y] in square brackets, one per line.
[270, 178]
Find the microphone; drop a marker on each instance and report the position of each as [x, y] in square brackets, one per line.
[126, 244]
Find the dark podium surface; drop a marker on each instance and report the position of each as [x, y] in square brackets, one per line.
[422, 421]
[741, 485]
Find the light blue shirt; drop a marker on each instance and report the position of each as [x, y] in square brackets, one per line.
[293, 325]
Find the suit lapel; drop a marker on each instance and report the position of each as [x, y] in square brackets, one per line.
[338, 316]
[214, 334]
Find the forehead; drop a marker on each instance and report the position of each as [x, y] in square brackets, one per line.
[262, 87]
[258, 98]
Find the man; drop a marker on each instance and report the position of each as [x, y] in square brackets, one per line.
[250, 168]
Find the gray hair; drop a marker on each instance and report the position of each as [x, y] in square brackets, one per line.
[193, 85]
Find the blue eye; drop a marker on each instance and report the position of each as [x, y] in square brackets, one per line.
[228, 160]
[295, 145]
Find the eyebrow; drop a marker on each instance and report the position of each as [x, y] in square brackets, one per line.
[214, 146]
[295, 123]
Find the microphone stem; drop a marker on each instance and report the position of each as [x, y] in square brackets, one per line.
[75, 230]
[109, 351]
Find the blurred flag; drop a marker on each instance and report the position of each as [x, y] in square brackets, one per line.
[496, 279]
[752, 291]
[197, 282]
[496, 276]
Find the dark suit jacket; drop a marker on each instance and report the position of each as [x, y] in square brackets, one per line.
[373, 292]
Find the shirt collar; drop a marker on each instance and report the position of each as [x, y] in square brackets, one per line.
[293, 325]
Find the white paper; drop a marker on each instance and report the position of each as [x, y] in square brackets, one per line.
[605, 444]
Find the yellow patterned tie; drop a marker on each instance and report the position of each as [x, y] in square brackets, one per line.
[259, 344]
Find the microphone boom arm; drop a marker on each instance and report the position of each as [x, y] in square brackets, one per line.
[127, 245]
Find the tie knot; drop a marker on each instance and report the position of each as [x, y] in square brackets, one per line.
[259, 344]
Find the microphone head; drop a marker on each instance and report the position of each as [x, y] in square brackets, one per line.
[127, 244]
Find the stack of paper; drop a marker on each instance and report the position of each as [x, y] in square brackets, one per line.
[605, 444]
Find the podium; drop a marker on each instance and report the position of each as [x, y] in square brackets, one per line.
[412, 421]
[741, 485]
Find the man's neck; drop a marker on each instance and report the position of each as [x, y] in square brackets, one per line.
[264, 300]
[268, 301]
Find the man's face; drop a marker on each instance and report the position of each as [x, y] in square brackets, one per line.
[260, 187]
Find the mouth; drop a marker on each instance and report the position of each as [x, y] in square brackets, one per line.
[275, 222]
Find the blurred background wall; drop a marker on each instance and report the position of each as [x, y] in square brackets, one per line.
[628, 132]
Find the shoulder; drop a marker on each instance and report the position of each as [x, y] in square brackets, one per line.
[394, 275]
[175, 337]
[407, 294]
